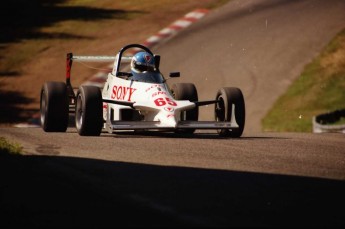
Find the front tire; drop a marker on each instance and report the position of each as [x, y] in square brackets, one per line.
[88, 111]
[227, 97]
[54, 107]
[186, 91]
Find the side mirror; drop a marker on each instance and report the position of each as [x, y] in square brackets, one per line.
[174, 74]
[157, 61]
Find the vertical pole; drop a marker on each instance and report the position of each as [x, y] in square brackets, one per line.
[68, 68]
[70, 92]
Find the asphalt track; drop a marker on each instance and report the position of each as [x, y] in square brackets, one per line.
[258, 46]
[259, 180]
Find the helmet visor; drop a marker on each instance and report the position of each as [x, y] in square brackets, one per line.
[143, 68]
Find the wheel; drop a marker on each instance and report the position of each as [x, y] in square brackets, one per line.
[227, 97]
[88, 111]
[54, 107]
[186, 91]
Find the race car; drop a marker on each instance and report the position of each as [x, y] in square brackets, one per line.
[136, 97]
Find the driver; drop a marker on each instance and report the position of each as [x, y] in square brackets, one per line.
[142, 62]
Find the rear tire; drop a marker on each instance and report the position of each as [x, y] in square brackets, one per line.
[54, 107]
[223, 110]
[186, 91]
[88, 111]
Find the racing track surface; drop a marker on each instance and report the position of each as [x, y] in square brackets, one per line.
[284, 180]
[258, 46]
[261, 179]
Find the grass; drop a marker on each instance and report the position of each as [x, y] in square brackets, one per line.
[341, 121]
[319, 89]
[9, 147]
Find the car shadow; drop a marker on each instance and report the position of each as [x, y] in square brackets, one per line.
[197, 135]
[61, 192]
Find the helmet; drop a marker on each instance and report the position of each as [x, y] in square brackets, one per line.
[142, 61]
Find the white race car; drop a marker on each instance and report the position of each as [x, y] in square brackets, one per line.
[136, 99]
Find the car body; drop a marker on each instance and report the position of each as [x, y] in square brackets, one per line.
[129, 101]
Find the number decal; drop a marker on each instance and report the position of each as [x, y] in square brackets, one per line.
[170, 102]
[162, 101]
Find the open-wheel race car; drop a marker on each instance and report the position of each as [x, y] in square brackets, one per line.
[136, 96]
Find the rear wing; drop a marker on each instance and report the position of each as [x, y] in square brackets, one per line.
[71, 58]
[69, 61]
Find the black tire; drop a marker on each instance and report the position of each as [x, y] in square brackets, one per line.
[186, 91]
[223, 110]
[54, 107]
[88, 111]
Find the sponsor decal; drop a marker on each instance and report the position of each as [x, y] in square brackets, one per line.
[105, 109]
[169, 109]
[122, 93]
[147, 58]
[158, 93]
[153, 86]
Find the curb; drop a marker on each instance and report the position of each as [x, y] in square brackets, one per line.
[175, 27]
[99, 78]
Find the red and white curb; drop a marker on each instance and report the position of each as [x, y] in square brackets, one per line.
[175, 27]
[99, 78]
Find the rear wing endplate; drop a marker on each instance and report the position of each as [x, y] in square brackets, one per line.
[69, 61]
[71, 58]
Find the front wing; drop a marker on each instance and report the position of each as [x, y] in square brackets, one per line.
[156, 125]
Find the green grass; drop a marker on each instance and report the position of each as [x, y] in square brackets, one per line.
[319, 89]
[9, 147]
[341, 121]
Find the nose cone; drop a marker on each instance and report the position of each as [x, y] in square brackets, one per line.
[167, 117]
[170, 122]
